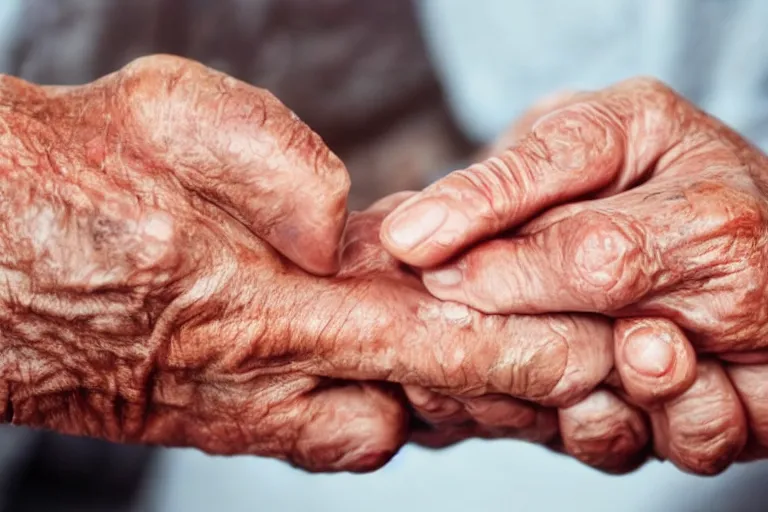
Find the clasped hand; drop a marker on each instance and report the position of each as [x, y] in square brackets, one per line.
[179, 269]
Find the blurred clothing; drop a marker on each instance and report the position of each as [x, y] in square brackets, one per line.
[497, 57]
[356, 71]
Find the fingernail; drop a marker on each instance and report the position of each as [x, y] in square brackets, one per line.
[415, 224]
[446, 277]
[649, 354]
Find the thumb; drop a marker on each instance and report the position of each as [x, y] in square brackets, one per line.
[238, 147]
[606, 139]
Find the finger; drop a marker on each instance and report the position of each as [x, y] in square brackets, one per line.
[610, 139]
[379, 330]
[522, 126]
[705, 428]
[499, 416]
[654, 359]
[604, 432]
[595, 260]
[437, 438]
[493, 414]
[542, 428]
[500, 412]
[435, 408]
[350, 427]
[388, 328]
[361, 249]
[751, 383]
[239, 147]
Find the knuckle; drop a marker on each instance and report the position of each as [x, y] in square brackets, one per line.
[366, 455]
[657, 108]
[154, 63]
[543, 374]
[490, 187]
[570, 140]
[727, 209]
[611, 258]
[146, 100]
[601, 432]
[732, 250]
[707, 425]
[579, 376]
[359, 443]
[501, 411]
[711, 448]
[432, 405]
[650, 83]
[653, 95]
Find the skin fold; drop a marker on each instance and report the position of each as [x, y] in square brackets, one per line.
[178, 268]
[631, 203]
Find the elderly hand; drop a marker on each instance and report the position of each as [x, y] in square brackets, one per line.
[161, 232]
[601, 429]
[647, 207]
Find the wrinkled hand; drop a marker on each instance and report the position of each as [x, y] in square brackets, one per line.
[601, 429]
[159, 230]
[648, 208]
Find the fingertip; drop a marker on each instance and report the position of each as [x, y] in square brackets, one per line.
[410, 232]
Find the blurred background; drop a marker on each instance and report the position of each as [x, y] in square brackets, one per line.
[404, 91]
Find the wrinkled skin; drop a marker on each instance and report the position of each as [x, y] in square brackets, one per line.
[632, 203]
[165, 235]
[357, 72]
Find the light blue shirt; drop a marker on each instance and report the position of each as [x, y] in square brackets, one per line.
[497, 57]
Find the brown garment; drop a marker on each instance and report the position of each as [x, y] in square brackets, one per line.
[355, 70]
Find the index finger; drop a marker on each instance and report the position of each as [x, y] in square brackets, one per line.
[610, 139]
